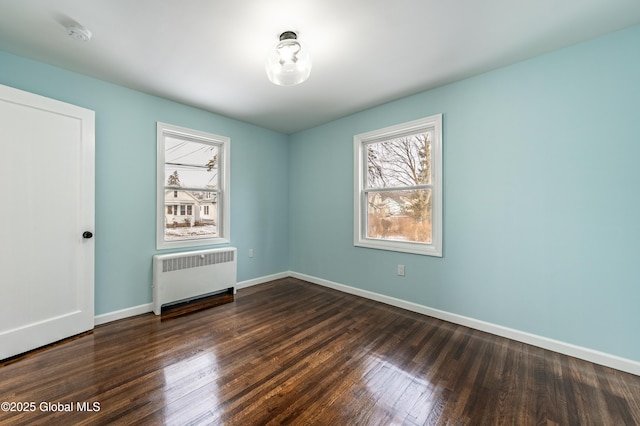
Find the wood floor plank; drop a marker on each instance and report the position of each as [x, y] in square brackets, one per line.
[290, 352]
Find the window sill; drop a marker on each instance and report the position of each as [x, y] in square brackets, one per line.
[400, 246]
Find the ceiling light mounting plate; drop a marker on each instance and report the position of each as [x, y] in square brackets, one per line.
[288, 35]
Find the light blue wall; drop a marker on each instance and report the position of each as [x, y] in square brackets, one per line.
[126, 179]
[541, 198]
[541, 214]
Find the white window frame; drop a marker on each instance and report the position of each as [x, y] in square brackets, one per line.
[224, 222]
[433, 124]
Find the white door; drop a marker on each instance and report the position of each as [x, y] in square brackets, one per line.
[46, 204]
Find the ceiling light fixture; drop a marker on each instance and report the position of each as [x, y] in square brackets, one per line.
[288, 63]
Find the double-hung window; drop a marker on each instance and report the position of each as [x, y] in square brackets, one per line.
[398, 187]
[192, 189]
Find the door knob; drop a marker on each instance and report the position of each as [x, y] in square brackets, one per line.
[87, 234]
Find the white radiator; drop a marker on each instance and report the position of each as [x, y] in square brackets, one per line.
[182, 276]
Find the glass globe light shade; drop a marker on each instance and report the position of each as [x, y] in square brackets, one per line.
[288, 63]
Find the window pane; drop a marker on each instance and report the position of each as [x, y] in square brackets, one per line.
[190, 164]
[404, 161]
[189, 220]
[399, 215]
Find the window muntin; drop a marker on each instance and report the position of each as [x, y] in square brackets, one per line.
[193, 172]
[398, 187]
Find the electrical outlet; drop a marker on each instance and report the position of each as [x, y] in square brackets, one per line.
[401, 270]
[250, 252]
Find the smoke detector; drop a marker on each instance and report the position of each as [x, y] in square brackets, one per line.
[77, 32]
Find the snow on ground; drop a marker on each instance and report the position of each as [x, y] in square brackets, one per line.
[206, 231]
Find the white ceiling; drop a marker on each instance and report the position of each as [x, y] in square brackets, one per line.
[210, 53]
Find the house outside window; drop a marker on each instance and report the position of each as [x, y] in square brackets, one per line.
[193, 172]
[398, 187]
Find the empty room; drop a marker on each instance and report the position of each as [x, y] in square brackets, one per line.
[320, 212]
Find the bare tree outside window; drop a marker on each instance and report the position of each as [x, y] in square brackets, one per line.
[398, 196]
[173, 179]
[398, 187]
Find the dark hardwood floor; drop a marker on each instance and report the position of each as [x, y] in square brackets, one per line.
[290, 352]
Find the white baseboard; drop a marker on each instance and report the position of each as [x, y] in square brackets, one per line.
[597, 357]
[148, 307]
[261, 280]
[123, 313]
[602, 358]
